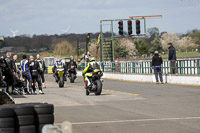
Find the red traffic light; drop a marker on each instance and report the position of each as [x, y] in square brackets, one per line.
[137, 22]
[129, 22]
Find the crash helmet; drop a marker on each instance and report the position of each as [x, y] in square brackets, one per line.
[71, 58]
[92, 59]
[58, 60]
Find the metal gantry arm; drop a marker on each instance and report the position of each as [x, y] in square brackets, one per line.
[112, 31]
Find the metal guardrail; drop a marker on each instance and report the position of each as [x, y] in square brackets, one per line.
[182, 67]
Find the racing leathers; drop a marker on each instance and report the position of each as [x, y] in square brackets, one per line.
[88, 71]
[42, 67]
[2, 70]
[71, 64]
[58, 64]
[35, 70]
[9, 73]
[26, 75]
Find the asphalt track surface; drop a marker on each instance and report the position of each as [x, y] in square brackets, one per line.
[123, 107]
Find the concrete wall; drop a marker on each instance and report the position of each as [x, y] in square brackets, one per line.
[174, 79]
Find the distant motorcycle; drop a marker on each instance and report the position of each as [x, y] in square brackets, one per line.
[72, 74]
[96, 83]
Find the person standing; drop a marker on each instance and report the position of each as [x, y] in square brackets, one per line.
[35, 70]
[16, 67]
[42, 69]
[9, 72]
[172, 57]
[156, 65]
[26, 75]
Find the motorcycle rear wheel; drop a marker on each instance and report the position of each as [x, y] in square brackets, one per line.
[98, 87]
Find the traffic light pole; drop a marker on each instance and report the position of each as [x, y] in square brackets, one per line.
[101, 47]
[113, 54]
[78, 48]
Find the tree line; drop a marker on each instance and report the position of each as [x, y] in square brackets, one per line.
[65, 44]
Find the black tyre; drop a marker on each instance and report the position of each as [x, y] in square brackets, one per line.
[6, 112]
[7, 122]
[26, 120]
[61, 82]
[87, 92]
[7, 130]
[22, 109]
[98, 87]
[72, 78]
[45, 119]
[27, 129]
[44, 108]
[40, 127]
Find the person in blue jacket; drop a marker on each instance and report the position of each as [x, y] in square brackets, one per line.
[26, 75]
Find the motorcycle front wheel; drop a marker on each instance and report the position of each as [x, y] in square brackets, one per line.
[61, 82]
[72, 78]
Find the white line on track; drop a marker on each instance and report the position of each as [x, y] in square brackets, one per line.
[138, 120]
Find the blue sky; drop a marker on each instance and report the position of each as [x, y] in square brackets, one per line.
[83, 16]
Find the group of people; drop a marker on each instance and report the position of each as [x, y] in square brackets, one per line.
[23, 78]
[157, 62]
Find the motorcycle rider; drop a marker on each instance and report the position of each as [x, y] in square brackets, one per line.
[16, 67]
[35, 70]
[9, 72]
[54, 69]
[42, 67]
[87, 72]
[71, 63]
[2, 70]
[26, 75]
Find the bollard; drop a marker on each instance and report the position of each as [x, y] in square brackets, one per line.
[66, 127]
[50, 129]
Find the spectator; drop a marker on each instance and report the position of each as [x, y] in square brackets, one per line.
[156, 65]
[172, 57]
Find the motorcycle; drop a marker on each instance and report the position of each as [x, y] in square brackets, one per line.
[72, 74]
[96, 83]
[60, 73]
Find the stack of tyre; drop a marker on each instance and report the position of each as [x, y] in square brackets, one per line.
[44, 114]
[7, 121]
[25, 118]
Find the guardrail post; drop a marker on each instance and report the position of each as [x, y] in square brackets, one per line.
[150, 67]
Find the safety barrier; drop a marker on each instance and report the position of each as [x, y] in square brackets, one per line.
[182, 67]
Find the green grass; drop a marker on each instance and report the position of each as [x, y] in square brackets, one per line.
[184, 54]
